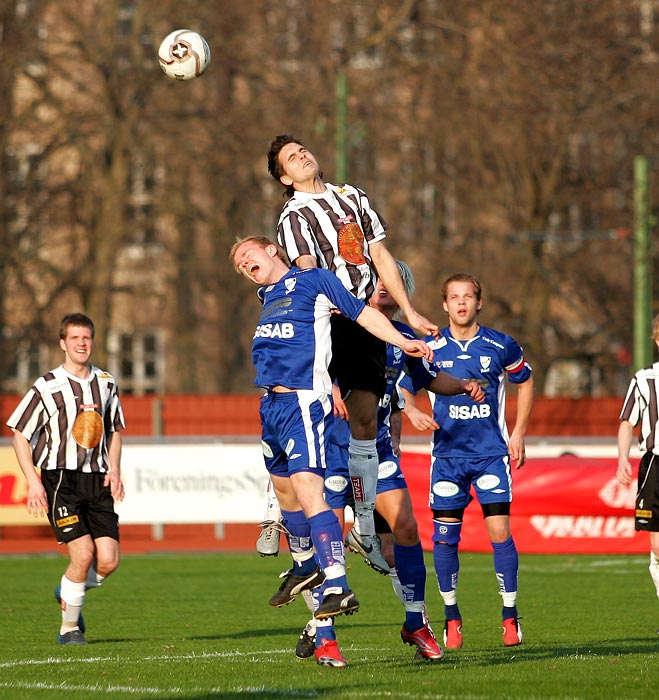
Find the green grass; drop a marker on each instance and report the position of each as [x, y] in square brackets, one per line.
[198, 626]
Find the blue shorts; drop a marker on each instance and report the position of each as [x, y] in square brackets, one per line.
[338, 488]
[451, 479]
[295, 429]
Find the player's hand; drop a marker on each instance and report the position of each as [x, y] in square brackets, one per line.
[517, 450]
[474, 390]
[624, 472]
[37, 503]
[419, 419]
[113, 480]
[340, 408]
[422, 325]
[417, 348]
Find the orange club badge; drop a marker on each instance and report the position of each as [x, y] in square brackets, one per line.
[351, 244]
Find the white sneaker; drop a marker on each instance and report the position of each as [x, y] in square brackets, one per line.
[368, 546]
[267, 544]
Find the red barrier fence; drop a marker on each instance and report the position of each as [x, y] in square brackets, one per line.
[561, 505]
[237, 414]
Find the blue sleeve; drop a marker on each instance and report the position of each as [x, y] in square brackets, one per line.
[418, 373]
[407, 383]
[330, 285]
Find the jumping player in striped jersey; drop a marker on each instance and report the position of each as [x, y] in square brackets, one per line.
[291, 352]
[641, 407]
[336, 228]
[471, 447]
[68, 426]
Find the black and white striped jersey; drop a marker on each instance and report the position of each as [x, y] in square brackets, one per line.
[642, 406]
[336, 227]
[68, 420]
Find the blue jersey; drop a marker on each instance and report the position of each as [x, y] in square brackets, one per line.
[468, 428]
[291, 345]
[397, 361]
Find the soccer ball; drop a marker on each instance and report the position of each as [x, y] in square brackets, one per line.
[184, 54]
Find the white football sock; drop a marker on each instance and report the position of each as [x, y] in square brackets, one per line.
[363, 465]
[94, 580]
[73, 597]
[654, 570]
[273, 511]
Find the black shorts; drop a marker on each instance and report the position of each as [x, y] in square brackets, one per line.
[358, 358]
[79, 505]
[647, 495]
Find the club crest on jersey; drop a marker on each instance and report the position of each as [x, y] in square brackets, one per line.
[351, 243]
[290, 284]
[485, 363]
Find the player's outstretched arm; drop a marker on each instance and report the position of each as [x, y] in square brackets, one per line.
[388, 272]
[379, 325]
[447, 385]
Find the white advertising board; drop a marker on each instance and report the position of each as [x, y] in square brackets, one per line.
[193, 483]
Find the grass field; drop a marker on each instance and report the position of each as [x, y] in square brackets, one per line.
[198, 626]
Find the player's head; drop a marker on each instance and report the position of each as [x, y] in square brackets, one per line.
[655, 329]
[262, 242]
[462, 277]
[76, 319]
[462, 300]
[276, 165]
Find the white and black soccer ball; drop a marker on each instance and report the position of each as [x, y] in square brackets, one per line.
[184, 54]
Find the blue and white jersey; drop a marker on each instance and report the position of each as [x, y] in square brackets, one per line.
[292, 345]
[397, 361]
[468, 428]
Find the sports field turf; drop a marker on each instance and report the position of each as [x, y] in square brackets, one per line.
[198, 626]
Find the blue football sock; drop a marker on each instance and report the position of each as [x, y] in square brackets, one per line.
[298, 535]
[324, 631]
[506, 567]
[446, 539]
[412, 576]
[327, 538]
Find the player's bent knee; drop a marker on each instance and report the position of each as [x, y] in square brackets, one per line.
[406, 532]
